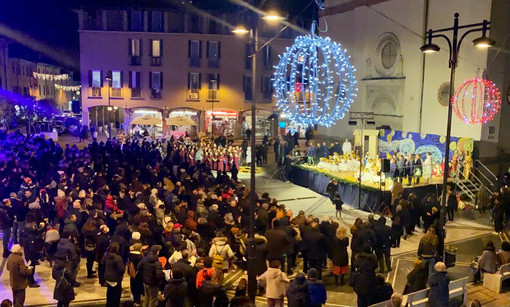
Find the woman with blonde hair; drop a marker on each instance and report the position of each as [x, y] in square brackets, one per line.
[339, 255]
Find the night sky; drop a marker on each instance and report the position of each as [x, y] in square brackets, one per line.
[54, 22]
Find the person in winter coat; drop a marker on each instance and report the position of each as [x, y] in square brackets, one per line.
[176, 291]
[316, 291]
[18, 273]
[339, 255]
[221, 253]
[152, 274]
[382, 291]
[190, 223]
[427, 249]
[6, 223]
[189, 273]
[274, 282]
[61, 273]
[297, 292]
[317, 246]
[417, 278]
[504, 253]
[102, 243]
[135, 279]
[67, 248]
[363, 278]
[488, 262]
[89, 231]
[383, 246]
[114, 272]
[438, 283]
[70, 226]
[210, 291]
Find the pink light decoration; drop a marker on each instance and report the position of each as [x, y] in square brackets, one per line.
[476, 101]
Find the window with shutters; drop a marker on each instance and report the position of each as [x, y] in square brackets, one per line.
[194, 53]
[247, 56]
[135, 51]
[156, 51]
[266, 88]
[156, 83]
[116, 84]
[247, 89]
[214, 86]
[213, 54]
[95, 83]
[135, 84]
[92, 20]
[267, 59]
[136, 21]
[194, 85]
[156, 21]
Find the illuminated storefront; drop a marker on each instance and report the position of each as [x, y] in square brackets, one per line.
[192, 130]
[152, 129]
[221, 122]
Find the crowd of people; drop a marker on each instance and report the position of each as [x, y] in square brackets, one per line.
[167, 215]
[153, 210]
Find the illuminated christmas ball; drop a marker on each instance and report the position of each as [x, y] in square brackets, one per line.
[314, 81]
[476, 101]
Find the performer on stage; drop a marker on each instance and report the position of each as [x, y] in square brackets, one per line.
[334, 196]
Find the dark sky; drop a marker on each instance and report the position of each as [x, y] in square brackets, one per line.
[54, 22]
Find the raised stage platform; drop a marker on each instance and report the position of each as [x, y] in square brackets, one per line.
[372, 195]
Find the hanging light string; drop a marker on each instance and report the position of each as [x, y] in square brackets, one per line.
[68, 88]
[50, 76]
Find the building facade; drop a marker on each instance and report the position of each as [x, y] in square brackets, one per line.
[17, 68]
[167, 63]
[406, 89]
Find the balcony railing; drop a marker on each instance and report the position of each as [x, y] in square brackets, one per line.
[156, 61]
[193, 94]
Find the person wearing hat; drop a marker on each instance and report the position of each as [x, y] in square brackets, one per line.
[297, 292]
[152, 274]
[221, 253]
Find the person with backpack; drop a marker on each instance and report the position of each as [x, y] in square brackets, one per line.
[221, 253]
[316, 291]
[89, 231]
[135, 279]
[61, 273]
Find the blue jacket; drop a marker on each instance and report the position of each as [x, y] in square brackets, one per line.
[316, 293]
[439, 293]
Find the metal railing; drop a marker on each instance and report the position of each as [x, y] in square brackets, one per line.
[471, 185]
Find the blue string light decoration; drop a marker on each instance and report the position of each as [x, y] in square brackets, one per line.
[314, 81]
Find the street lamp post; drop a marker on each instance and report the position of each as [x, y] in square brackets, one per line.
[109, 109]
[454, 47]
[240, 30]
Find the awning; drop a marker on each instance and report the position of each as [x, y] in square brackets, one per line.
[146, 120]
[180, 121]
